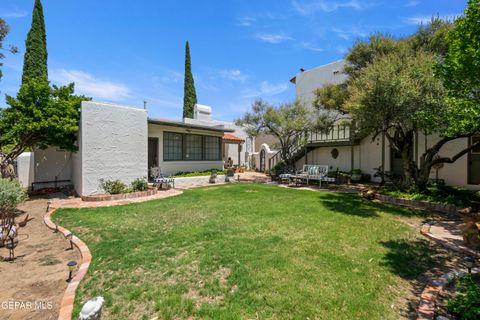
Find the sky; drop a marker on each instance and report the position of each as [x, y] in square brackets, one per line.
[125, 52]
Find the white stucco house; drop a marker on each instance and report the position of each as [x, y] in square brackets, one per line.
[343, 151]
[121, 142]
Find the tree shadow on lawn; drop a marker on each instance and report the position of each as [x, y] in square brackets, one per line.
[416, 260]
[353, 204]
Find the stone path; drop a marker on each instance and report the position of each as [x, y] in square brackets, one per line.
[36, 280]
[449, 235]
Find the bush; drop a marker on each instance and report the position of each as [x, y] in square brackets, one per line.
[113, 186]
[182, 174]
[139, 184]
[11, 195]
[466, 305]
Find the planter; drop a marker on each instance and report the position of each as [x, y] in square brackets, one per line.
[112, 197]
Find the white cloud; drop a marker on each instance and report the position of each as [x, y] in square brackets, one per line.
[416, 20]
[412, 3]
[266, 89]
[310, 46]
[246, 21]
[233, 74]
[341, 50]
[88, 85]
[311, 7]
[13, 14]
[169, 77]
[348, 33]
[273, 38]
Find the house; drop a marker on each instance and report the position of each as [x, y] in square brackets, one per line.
[120, 142]
[342, 150]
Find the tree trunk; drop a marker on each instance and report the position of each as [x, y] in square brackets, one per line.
[7, 170]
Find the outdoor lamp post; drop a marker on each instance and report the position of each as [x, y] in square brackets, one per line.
[469, 263]
[72, 265]
[69, 236]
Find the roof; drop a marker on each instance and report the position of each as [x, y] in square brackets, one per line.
[232, 138]
[172, 123]
[340, 62]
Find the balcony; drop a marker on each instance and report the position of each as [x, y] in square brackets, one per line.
[338, 135]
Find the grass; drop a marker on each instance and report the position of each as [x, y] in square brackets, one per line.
[438, 194]
[199, 174]
[249, 251]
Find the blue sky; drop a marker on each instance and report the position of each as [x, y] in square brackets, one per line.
[128, 51]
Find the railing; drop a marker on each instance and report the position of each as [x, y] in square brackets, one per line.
[339, 133]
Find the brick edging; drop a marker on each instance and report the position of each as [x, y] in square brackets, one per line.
[426, 308]
[445, 208]
[66, 306]
[122, 196]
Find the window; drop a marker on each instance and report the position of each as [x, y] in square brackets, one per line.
[172, 146]
[212, 148]
[476, 149]
[193, 147]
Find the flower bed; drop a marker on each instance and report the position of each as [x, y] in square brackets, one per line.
[430, 206]
[110, 197]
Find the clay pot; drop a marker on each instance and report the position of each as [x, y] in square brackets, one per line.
[470, 233]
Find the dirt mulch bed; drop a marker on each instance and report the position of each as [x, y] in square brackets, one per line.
[36, 280]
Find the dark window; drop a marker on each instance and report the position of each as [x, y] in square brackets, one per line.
[193, 147]
[212, 148]
[172, 146]
[476, 149]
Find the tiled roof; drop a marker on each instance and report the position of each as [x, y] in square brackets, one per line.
[231, 137]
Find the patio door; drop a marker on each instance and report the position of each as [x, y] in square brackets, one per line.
[474, 163]
[152, 154]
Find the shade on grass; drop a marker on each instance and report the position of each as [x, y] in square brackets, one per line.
[249, 251]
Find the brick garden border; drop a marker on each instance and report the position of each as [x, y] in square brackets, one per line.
[122, 196]
[426, 309]
[66, 306]
[429, 206]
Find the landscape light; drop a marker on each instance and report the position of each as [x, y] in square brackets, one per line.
[469, 263]
[72, 265]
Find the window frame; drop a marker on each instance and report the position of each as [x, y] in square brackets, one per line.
[183, 140]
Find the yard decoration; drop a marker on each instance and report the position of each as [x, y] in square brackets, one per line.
[213, 177]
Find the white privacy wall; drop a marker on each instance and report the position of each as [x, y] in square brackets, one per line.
[112, 145]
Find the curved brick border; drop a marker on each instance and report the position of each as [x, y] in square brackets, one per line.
[426, 309]
[445, 208]
[66, 306]
[113, 197]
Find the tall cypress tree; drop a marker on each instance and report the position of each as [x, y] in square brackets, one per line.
[35, 60]
[189, 95]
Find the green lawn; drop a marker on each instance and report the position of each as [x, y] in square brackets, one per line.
[250, 251]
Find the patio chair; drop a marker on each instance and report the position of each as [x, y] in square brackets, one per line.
[159, 179]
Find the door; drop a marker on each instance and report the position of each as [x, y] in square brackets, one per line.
[396, 162]
[152, 153]
[262, 160]
[474, 163]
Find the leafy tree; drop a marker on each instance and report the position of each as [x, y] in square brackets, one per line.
[35, 60]
[461, 68]
[40, 116]
[190, 95]
[288, 122]
[398, 95]
[4, 30]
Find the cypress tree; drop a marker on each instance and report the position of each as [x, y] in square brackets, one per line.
[35, 60]
[189, 95]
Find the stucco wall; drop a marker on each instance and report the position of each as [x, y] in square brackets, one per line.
[113, 145]
[173, 167]
[310, 80]
[52, 164]
[25, 171]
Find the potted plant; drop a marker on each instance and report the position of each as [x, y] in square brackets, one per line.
[356, 175]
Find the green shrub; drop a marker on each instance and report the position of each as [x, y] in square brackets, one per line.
[11, 195]
[113, 186]
[466, 305]
[139, 184]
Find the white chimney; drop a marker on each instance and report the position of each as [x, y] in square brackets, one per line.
[201, 112]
